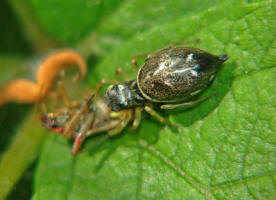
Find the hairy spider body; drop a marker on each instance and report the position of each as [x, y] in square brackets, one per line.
[168, 76]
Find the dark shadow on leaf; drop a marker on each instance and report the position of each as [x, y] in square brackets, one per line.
[11, 35]
[99, 143]
[11, 116]
[104, 159]
[23, 188]
[148, 131]
[91, 62]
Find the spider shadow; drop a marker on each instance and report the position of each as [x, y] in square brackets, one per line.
[97, 144]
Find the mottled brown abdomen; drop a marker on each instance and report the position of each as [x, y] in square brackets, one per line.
[174, 74]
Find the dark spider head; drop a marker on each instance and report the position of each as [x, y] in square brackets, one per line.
[125, 95]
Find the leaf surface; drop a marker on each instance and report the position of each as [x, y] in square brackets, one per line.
[70, 21]
[226, 146]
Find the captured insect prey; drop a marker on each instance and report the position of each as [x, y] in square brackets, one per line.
[168, 78]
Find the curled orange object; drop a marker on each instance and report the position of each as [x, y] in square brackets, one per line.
[21, 91]
[24, 91]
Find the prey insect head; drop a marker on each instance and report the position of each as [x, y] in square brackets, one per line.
[51, 122]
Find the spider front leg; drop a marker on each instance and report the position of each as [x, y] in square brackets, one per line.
[126, 117]
[120, 73]
[104, 82]
[136, 118]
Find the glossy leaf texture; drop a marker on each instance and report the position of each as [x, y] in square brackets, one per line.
[226, 146]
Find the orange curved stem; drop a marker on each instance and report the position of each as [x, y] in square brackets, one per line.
[20, 91]
[24, 91]
[50, 68]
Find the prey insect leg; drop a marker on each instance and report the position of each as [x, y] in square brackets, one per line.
[82, 133]
[69, 130]
[61, 90]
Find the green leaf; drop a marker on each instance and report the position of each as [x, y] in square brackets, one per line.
[226, 146]
[138, 16]
[20, 154]
[70, 21]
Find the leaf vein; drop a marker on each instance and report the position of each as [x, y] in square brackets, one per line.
[241, 180]
[140, 174]
[201, 188]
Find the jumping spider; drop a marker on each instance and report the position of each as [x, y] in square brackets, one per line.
[167, 79]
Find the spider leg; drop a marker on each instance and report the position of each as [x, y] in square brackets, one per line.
[137, 118]
[153, 113]
[185, 104]
[104, 82]
[121, 74]
[126, 119]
